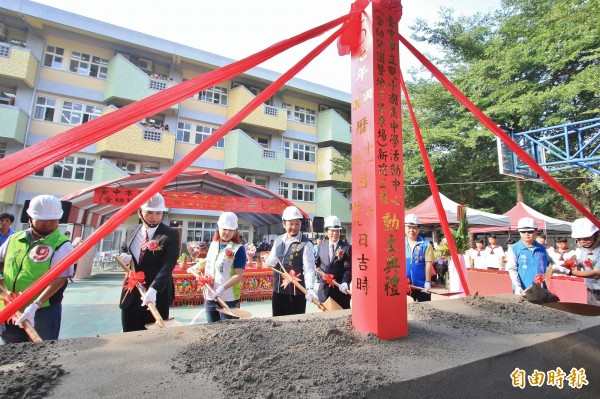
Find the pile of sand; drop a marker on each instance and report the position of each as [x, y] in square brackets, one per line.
[311, 356]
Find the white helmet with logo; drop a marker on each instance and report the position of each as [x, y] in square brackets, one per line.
[155, 204]
[291, 213]
[45, 207]
[583, 228]
[411, 220]
[333, 223]
[228, 221]
[526, 224]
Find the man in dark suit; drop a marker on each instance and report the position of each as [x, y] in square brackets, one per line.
[334, 257]
[154, 248]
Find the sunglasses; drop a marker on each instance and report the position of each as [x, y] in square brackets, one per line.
[527, 231]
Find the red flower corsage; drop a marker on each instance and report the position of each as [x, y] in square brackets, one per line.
[154, 246]
[229, 254]
[588, 263]
[340, 254]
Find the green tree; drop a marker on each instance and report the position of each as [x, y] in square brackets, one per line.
[531, 64]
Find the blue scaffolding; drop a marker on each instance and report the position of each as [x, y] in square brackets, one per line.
[556, 148]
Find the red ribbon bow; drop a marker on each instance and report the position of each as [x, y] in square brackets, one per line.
[290, 277]
[539, 279]
[133, 278]
[203, 280]
[9, 298]
[329, 279]
[570, 263]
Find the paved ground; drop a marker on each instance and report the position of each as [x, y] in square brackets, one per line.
[91, 308]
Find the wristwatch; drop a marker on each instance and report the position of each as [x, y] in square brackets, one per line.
[38, 303]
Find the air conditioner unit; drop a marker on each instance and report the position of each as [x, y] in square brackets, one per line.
[133, 167]
[145, 64]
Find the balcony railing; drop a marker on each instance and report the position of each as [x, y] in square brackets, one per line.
[332, 128]
[244, 155]
[13, 124]
[139, 141]
[17, 62]
[331, 202]
[128, 82]
[265, 116]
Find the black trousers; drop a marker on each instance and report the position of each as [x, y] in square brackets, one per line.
[284, 304]
[135, 317]
[420, 296]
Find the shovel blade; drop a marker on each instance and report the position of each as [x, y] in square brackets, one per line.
[168, 323]
[582, 309]
[235, 312]
[330, 305]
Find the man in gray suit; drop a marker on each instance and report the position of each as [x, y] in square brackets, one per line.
[334, 257]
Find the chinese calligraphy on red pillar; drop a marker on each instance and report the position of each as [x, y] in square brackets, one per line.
[379, 286]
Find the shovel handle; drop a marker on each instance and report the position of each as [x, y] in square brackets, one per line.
[300, 288]
[322, 274]
[31, 332]
[142, 291]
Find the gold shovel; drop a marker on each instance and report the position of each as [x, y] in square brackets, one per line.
[33, 335]
[327, 306]
[235, 312]
[442, 293]
[160, 323]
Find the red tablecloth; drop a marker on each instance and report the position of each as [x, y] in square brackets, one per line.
[257, 285]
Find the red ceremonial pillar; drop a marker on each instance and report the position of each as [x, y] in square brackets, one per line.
[378, 267]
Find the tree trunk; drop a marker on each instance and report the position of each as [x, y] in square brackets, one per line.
[519, 189]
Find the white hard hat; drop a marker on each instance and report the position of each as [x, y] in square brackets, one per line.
[228, 221]
[155, 204]
[411, 220]
[291, 213]
[333, 223]
[45, 207]
[526, 224]
[583, 228]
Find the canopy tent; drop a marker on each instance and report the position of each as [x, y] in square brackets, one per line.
[428, 214]
[521, 210]
[193, 189]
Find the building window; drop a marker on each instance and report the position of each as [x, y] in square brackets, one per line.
[258, 180]
[74, 168]
[296, 191]
[44, 109]
[2, 150]
[99, 67]
[80, 63]
[183, 132]
[203, 132]
[76, 113]
[300, 151]
[201, 231]
[215, 95]
[288, 108]
[54, 57]
[305, 115]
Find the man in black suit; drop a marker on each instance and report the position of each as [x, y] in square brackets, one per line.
[334, 257]
[154, 248]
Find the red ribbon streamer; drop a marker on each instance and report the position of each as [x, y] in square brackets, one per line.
[133, 278]
[6, 299]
